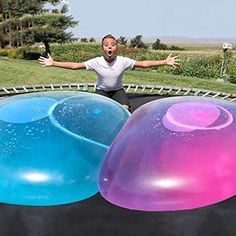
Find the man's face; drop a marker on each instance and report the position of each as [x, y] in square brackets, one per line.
[109, 48]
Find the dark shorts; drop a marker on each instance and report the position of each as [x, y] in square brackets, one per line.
[117, 95]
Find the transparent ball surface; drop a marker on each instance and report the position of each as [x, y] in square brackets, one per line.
[173, 154]
[52, 145]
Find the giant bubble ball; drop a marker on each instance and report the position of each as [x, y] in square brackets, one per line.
[52, 145]
[173, 154]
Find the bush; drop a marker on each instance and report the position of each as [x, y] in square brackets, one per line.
[9, 52]
[77, 52]
[12, 53]
[3, 52]
[232, 73]
[173, 47]
[200, 66]
[29, 53]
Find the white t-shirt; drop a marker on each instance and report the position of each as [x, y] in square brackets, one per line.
[109, 74]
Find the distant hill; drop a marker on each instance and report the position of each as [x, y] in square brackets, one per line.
[176, 39]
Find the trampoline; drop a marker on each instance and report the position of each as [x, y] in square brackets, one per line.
[96, 216]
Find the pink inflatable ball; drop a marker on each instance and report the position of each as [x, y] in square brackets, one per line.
[173, 154]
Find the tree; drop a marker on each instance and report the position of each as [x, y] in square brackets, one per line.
[1, 30]
[10, 26]
[50, 27]
[92, 40]
[27, 22]
[84, 40]
[122, 41]
[137, 42]
[157, 45]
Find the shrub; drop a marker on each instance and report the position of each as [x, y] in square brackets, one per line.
[200, 66]
[12, 53]
[29, 53]
[9, 52]
[173, 47]
[76, 52]
[232, 72]
[3, 52]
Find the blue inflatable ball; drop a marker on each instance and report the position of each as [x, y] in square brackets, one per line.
[52, 145]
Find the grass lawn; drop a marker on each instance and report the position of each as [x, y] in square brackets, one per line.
[21, 72]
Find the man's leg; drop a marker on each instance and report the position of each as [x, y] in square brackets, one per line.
[102, 92]
[121, 97]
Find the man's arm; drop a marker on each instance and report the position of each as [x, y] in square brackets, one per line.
[68, 65]
[171, 61]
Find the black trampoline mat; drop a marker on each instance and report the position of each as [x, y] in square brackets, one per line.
[95, 216]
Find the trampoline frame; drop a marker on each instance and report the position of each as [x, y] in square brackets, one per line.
[129, 88]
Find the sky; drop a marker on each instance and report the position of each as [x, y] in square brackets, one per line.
[154, 18]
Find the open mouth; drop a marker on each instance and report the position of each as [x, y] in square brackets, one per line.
[109, 52]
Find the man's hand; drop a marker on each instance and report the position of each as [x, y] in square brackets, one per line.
[46, 61]
[172, 61]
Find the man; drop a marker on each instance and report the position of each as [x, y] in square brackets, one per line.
[110, 68]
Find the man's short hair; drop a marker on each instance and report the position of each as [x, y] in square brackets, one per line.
[110, 36]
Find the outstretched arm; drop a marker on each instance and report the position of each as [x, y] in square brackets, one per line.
[68, 65]
[171, 61]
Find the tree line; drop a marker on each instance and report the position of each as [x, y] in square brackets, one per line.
[137, 42]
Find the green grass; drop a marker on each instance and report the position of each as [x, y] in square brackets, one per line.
[21, 72]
